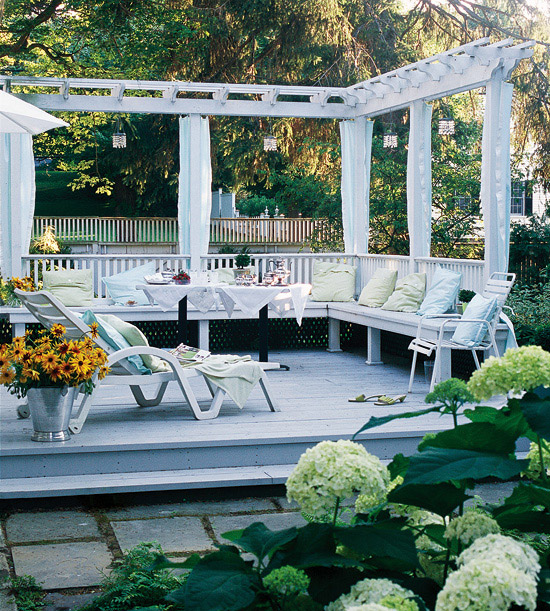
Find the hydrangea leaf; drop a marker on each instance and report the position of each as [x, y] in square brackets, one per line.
[509, 419]
[530, 494]
[522, 518]
[398, 465]
[162, 562]
[259, 540]
[543, 587]
[375, 421]
[537, 414]
[221, 580]
[328, 583]
[438, 498]
[437, 465]
[373, 540]
[479, 436]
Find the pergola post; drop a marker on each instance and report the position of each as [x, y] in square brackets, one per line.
[356, 140]
[419, 181]
[495, 175]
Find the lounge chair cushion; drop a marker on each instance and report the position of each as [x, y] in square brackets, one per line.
[73, 287]
[442, 293]
[471, 334]
[122, 287]
[333, 282]
[408, 294]
[379, 288]
[109, 334]
[135, 337]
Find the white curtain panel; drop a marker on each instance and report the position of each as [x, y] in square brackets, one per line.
[195, 184]
[356, 147]
[419, 179]
[17, 199]
[495, 175]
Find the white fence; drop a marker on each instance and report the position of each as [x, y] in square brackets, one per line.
[114, 230]
[300, 265]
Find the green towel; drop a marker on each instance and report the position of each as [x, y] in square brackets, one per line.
[236, 375]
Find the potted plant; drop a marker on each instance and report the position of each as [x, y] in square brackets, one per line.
[182, 278]
[50, 370]
[464, 297]
[242, 261]
[7, 287]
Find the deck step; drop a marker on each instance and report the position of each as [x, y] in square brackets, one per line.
[32, 487]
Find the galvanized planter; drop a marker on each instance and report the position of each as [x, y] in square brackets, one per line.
[50, 409]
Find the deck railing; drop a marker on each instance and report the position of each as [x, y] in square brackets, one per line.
[118, 230]
[300, 265]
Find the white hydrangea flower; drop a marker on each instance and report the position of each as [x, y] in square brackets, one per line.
[332, 470]
[500, 548]
[471, 526]
[422, 517]
[368, 591]
[487, 585]
[367, 607]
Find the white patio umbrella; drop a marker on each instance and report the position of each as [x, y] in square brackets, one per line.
[19, 117]
[19, 121]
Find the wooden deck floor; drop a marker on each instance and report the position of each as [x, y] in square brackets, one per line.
[123, 448]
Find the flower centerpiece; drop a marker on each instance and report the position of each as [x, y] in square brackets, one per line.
[50, 370]
[7, 288]
[182, 278]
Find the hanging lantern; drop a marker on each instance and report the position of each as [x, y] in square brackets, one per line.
[270, 143]
[119, 137]
[446, 126]
[390, 139]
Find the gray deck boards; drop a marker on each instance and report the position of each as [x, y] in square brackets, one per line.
[123, 447]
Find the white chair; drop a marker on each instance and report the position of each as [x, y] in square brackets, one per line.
[499, 285]
[48, 310]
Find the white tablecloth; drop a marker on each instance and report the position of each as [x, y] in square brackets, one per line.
[249, 299]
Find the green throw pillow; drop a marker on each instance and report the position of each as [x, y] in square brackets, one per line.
[378, 288]
[408, 294]
[73, 287]
[333, 282]
[135, 338]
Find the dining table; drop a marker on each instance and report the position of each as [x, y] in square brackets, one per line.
[254, 300]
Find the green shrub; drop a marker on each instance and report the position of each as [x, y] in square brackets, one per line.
[28, 595]
[531, 318]
[133, 584]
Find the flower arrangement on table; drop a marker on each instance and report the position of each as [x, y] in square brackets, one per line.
[51, 360]
[7, 288]
[182, 278]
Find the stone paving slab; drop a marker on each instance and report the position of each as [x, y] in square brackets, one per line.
[55, 601]
[50, 526]
[179, 534]
[7, 603]
[273, 521]
[63, 565]
[198, 508]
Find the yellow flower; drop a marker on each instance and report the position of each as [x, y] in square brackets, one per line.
[55, 373]
[67, 370]
[49, 361]
[103, 371]
[4, 361]
[58, 330]
[7, 376]
[63, 348]
[93, 331]
[82, 366]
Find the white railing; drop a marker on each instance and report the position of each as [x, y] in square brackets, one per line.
[102, 266]
[115, 230]
[109, 230]
[472, 270]
[300, 265]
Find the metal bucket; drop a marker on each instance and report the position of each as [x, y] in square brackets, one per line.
[51, 412]
[428, 371]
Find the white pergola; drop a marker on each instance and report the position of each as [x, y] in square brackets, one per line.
[471, 66]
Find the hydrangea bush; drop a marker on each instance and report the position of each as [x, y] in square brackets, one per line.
[407, 544]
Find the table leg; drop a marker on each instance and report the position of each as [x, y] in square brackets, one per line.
[263, 332]
[182, 321]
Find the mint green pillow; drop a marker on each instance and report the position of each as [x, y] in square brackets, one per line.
[378, 288]
[73, 287]
[442, 293]
[135, 337]
[109, 334]
[333, 282]
[225, 274]
[408, 294]
[122, 287]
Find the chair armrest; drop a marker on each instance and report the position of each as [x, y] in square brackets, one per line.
[431, 317]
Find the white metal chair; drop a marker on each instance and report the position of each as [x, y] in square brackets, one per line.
[499, 285]
[48, 310]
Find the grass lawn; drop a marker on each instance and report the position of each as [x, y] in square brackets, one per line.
[55, 198]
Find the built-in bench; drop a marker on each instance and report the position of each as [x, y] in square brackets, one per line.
[374, 319]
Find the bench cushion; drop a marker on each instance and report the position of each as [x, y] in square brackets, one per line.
[122, 287]
[333, 282]
[73, 287]
[441, 296]
[408, 294]
[379, 288]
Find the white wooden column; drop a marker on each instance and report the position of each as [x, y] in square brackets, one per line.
[195, 192]
[419, 181]
[495, 175]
